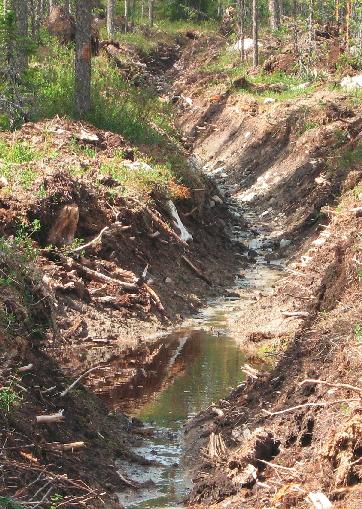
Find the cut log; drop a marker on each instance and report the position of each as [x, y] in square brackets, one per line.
[48, 419]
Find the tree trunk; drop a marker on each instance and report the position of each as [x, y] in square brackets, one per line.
[349, 7]
[255, 34]
[110, 18]
[295, 28]
[21, 16]
[241, 14]
[32, 17]
[67, 6]
[151, 12]
[310, 33]
[274, 14]
[142, 10]
[83, 53]
[126, 15]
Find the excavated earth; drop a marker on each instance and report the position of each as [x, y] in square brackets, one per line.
[290, 173]
[290, 436]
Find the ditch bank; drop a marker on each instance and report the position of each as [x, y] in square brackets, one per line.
[289, 436]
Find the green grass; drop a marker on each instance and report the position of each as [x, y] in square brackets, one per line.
[117, 106]
[141, 179]
[13, 155]
[18, 153]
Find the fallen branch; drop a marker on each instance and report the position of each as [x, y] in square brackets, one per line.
[98, 276]
[154, 297]
[305, 405]
[196, 270]
[65, 392]
[73, 446]
[24, 369]
[330, 384]
[156, 217]
[48, 419]
[91, 242]
[274, 465]
[128, 482]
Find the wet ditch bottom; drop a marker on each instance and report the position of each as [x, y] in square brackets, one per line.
[204, 365]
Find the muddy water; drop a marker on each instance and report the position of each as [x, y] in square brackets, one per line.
[204, 365]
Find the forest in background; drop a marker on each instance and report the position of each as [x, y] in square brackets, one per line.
[39, 78]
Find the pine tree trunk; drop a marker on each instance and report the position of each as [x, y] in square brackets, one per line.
[241, 8]
[349, 7]
[110, 18]
[151, 12]
[274, 14]
[255, 34]
[83, 54]
[295, 28]
[20, 8]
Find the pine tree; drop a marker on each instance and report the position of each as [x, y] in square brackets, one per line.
[83, 54]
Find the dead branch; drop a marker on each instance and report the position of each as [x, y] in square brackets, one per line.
[98, 276]
[305, 405]
[62, 394]
[47, 419]
[154, 297]
[217, 446]
[274, 465]
[73, 446]
[24, 369]
[91, 242]
[196, 270]
[330, 384]
[157, 218]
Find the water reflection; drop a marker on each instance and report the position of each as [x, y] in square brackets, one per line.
[207, 367]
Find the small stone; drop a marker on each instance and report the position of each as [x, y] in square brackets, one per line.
[168, 280]
[269, 100]
[217, 199]
[212, 203]
[285, 243]
[3, 182]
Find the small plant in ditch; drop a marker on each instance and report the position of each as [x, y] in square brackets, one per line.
[358, 332]
[8, 398]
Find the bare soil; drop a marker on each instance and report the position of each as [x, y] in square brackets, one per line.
[290, 165]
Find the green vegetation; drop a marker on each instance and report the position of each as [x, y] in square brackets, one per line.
[358, 332]
[19, 312]
[118, 106]
[8, 398]
[9, 503]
